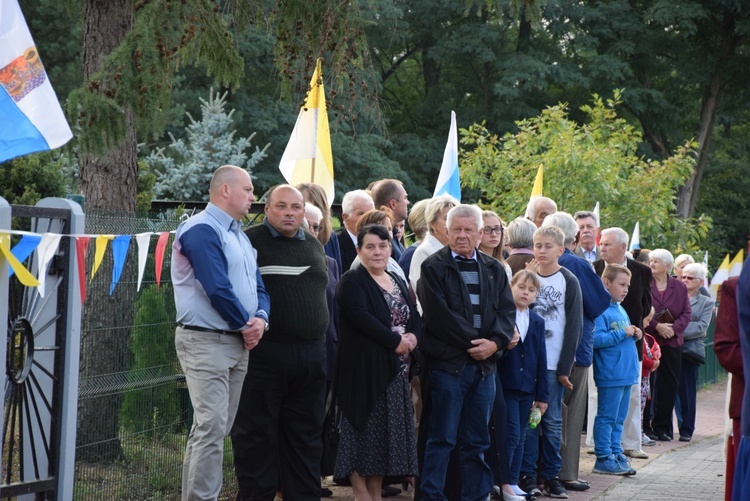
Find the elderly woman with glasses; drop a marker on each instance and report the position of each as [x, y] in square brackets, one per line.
[672, 306]
[701, 309]
[492, 238]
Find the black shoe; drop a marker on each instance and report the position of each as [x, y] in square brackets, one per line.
[388, 490]
[663, 437]
[528, 485]
[554, 489]
[651, 434]
[685, 438]
[325, 492]
[579, 485]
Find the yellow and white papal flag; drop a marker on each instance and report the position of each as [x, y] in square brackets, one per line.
[307, 157]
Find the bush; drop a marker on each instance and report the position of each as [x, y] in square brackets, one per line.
[152, 406]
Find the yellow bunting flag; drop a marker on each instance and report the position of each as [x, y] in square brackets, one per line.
[21, 272]
[101, 247]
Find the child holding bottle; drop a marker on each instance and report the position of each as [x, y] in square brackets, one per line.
[523, 371]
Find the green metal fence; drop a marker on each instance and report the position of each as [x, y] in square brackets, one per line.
[134, 410]
[711, 371]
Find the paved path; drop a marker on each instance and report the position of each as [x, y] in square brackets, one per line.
[674, 470]
[692, 472]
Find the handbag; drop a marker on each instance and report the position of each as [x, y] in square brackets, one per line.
[664, 317]
[331, 433]
[694, 351]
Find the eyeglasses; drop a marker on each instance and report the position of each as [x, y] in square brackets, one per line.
[685, 277]
[488, 230]
[315, 228]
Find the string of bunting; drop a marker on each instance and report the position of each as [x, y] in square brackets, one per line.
[46, 245]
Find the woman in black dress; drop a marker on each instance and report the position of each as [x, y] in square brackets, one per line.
[378, 329]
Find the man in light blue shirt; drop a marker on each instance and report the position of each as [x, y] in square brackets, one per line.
[222, 312]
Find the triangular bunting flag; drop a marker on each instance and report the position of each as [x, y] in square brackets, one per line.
[143, 240]
[101, 248]
[45, 252]
[82, 245]
[22, 273]
[119, 252]
[24, 248]
[159, 256]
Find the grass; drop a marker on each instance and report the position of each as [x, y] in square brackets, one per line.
[152, 471]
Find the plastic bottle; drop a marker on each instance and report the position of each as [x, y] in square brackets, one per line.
[535, 417]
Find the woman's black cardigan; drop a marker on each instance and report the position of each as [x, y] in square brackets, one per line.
[366, 360]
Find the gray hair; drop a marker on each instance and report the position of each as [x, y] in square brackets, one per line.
[683, 258]
[582, 214]
[521, 233]
[531, 206]
[465, 210]
[437, 204]
[621, 236]
[347, 204]
[565, 222]
[698, 270]
[313, 210]
[664, 256]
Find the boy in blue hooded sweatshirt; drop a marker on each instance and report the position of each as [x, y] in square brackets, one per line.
[615, 371]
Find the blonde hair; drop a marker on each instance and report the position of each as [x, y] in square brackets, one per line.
[553, 232]
[612, 270]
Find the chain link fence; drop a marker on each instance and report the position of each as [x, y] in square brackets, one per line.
[134, 408]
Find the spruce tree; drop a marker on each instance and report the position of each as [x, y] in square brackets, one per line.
[185, 172]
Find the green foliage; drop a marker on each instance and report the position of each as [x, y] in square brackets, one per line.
[725, 188]
[155, 409]
[139, 74]
[583, 164]
[26, 180]
[146, 181]
[185, 173]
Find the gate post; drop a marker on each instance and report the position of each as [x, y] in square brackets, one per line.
[72, 347]
[4, 284]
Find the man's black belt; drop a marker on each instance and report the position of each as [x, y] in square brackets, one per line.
[206, 329]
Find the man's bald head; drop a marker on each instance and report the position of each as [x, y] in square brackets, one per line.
[232, 190]
[226, 174]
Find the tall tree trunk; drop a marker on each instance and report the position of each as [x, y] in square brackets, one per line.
[712, 95]
[688, 195]
[108, 181]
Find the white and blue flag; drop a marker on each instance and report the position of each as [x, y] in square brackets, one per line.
[31, 119]
[448, 181]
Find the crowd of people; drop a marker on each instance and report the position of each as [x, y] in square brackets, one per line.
[462, 365]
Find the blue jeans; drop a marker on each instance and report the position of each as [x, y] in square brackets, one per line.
[519, 409]
[611, 410]
[461, 407]
[551, 427]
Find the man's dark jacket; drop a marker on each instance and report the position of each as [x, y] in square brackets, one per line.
[448, 318]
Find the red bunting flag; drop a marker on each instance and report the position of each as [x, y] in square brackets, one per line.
[82, 244]
[159, 255]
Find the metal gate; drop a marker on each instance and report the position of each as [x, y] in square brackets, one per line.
[40, 387]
